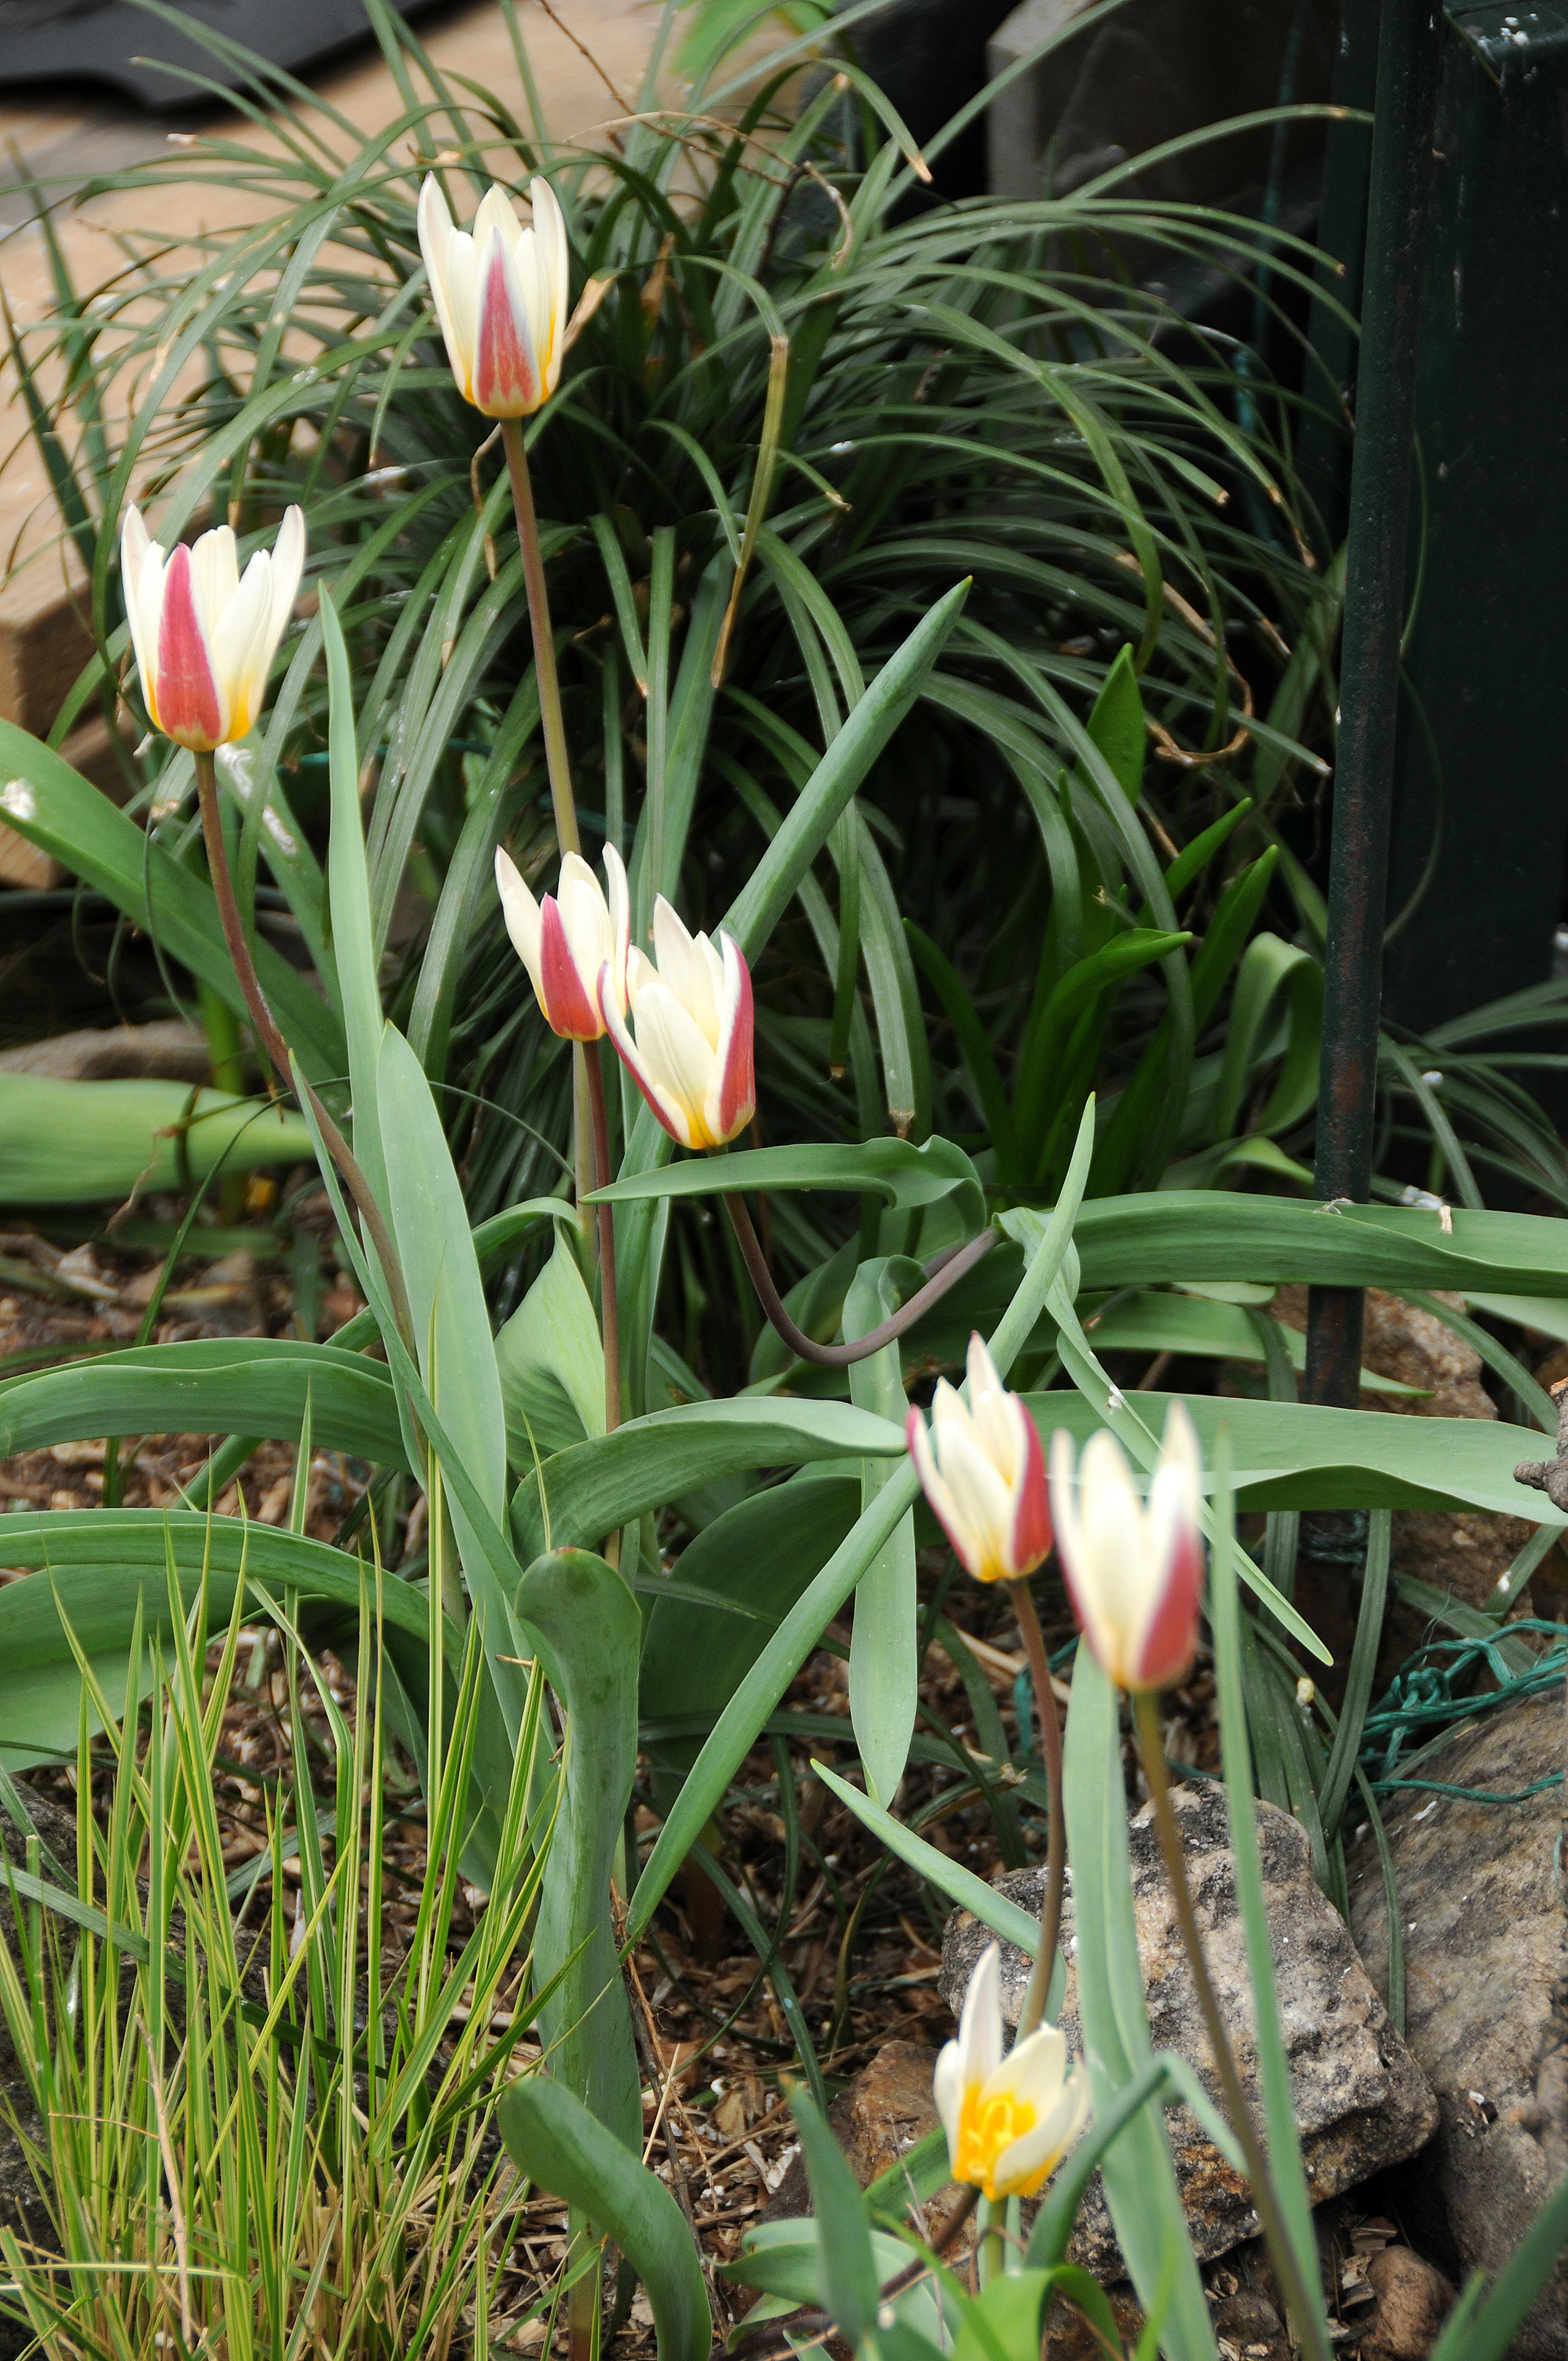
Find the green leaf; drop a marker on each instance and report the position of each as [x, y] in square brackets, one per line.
[883, 1652]
[585, 1623]
[75, 1143]
[551, 1363]
[597, 1486]
[849, 2279]
[950, 1877]
[1268, 969]
[252, 1385]
[557, 2144]
[907, 1176]
[1117, 725]
[1137, 2169]
[1057, 2217]
[975, 1045]
[348, 903]
[55, 809]
[1482, 2327]
[762, 901]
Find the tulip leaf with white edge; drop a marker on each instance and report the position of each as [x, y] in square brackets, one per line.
[768, 891]
[1137, 2170]
[551, 1363]
[579, 1613]
[609, 1480]
[907, 1176]
[252, 1385]
[77, 1143]
[554, 2140]
[883, 1650]
[767, 1679]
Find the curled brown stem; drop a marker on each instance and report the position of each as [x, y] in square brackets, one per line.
[943, 1273]
[275, 1049]
[1040, 1983]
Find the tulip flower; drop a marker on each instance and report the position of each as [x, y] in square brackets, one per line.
[204, 638]
[566, 939]
[1009, 2120]
[691, 1057]
[983, 1472]
[1134, 1573]
[500, 296]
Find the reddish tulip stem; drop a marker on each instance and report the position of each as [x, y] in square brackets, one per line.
[1040, 1983]
[550, 716]
[943, 1273]
[275, 1049]
[1282, 2254]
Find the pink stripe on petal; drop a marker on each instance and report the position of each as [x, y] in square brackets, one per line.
[568, 1011]
[189, 707]
[1031, 1518]
[737, 1082]
[1170, 1642]
[506, 373]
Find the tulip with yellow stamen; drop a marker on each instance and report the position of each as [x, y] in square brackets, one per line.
[692, 1057]
[1009, 2120]
[500, 296]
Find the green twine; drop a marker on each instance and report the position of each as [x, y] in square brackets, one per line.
[1427, 1694]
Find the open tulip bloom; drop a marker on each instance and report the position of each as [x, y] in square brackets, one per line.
[692, 1054]
[983, 1472]
[1134, 1570]
[1009, 2120]
[568, 939]
[205, 636]
[500, 296]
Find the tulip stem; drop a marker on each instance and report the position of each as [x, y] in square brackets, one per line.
[553, 726]
[276, 1048]
[1304, 2315]
[944, 1272]
[1039, 1984]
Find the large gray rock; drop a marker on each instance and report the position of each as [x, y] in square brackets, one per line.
[1481, 1908]
[1361, 2099]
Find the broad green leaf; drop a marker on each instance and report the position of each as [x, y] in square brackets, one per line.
[55, 809]
[348, 901]
[250, 1385]
[649, 1462]
[558, 2144]
[585, 1623]
[762, 901]
[883, 1652]
[847, 2283]
[1155, 1323]
[551, 1363]
[1138, 2171]
[905, 1175]
[1268, 969]
[66, 1143]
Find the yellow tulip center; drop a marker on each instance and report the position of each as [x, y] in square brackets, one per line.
[987, 2129]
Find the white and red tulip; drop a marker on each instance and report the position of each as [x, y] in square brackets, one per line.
[204, 638]
[1009, 2120]
[566, 941]
[983, 1472]
[691, 1016]
[1134, 1570]
[500, 296]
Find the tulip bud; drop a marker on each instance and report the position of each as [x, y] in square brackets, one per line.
[692, 1057]
[500, 296]
[984, 1474]
[1135, 1574]
[564, 941]
[204, 639]
[1009, 2120]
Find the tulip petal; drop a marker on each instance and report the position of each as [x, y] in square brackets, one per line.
[944, 1508]
[685, 972]
[677, 1053]
[188, 703]
[437, 239]
[141, 585]
[660, 1104]
[1031, 1542]
[980, 2020]
[948, 2094]
[550, 229]
[241, 656]
[620, 904]
[732, 1096]
[568, 1010]
[507, 378]
[982, 1503]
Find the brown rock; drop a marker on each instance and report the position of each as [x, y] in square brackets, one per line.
[1413, 2300]
[885, 2110]
[1483, 1922]
[1360, 2101]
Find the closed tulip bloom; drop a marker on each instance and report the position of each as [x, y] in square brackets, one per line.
[1135, 1571]
[1009, 2120]
[565, 941]
[500, 296]
[205, 637]
[692, 1054]
[983, 1472]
